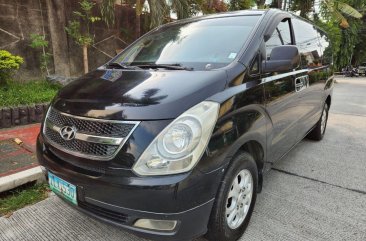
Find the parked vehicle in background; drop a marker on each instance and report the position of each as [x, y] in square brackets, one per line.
[171, 138]
[350, 71]
[362, 69]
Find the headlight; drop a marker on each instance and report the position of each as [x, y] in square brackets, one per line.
[181, 144]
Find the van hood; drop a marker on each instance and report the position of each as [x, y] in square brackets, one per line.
[138, 94]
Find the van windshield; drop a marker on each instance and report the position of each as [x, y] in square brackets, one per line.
[200, 45]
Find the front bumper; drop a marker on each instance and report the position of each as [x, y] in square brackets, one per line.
[190, 222]
[121, 200]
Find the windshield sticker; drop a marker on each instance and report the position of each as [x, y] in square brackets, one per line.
[112, 75]
[232, 56]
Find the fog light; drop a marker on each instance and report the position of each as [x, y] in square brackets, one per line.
[163, 225]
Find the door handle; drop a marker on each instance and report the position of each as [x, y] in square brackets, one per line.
[301, 83]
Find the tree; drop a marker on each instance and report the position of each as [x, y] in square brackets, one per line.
[260, 3]
[159, 11]
[240, 4]
[304, 6]
[107, 9]
[276, 4]
[336, 8]
[40, 42]
[82, 36]
[347, 42]
[138, 12]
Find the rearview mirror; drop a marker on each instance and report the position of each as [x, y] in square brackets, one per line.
[282, 58]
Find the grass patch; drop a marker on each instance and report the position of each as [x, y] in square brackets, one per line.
[31, 92]
[22, 196]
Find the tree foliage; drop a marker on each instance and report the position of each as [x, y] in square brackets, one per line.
[107, 11]
[240, 4]
[82, 36]
[340, 18]
[39, 42]
[347, 42]
[304, 6]
[79, 28]
[336, 8]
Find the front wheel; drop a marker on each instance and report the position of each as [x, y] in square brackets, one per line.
[235, 200]
[319, 130]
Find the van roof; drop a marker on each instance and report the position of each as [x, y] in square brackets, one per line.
[248, 12]
[233, 13]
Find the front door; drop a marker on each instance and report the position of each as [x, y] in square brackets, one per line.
[281, 99]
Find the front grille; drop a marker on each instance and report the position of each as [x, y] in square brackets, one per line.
[93, 138]
[87, 148]
[93, 127]
[104, 213]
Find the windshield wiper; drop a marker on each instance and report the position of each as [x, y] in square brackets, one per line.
[165, 66]
[116, 65]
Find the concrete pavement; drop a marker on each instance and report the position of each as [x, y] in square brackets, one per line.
[18, 163]
[317, 192]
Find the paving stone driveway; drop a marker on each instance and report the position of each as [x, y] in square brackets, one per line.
[318, 192]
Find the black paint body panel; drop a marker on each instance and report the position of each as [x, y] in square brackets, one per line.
[138, 94]
[263, 109]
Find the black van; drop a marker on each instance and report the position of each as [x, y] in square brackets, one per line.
[171, 138]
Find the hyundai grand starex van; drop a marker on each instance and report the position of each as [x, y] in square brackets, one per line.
[171, 138]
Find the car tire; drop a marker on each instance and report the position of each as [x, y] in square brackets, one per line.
[232, 211]
[318, 132]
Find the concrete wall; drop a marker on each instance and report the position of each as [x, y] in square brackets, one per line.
[20, 18]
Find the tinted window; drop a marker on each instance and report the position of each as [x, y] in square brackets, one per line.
[327, 55]
[281, 36]
[214, 42]
[309, 42]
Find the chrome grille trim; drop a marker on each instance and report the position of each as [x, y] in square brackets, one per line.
[100, 127]
[84, 137]
[87, 137]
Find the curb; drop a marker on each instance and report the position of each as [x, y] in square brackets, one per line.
[22, 115]
[17, 179]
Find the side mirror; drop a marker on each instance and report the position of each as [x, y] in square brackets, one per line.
[282, 58]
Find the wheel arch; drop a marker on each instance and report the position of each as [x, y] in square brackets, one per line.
[256, 150]
[255, 146]
[329, 100]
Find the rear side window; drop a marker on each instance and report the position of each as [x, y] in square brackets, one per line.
[309, 42]
[281, 36]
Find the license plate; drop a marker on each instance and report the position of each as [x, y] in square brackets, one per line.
[62, 188]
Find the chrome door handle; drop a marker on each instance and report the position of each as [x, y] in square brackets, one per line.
[301, 83]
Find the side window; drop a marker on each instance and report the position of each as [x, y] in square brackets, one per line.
[308, 41]
[327, 55]
[281, 36]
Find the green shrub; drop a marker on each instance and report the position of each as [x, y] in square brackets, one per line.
[8, 64]
[27, 93]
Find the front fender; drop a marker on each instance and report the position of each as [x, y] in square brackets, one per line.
[234, 129]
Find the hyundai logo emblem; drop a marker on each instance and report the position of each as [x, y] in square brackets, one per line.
[68, 133]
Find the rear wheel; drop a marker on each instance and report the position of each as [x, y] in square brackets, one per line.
[235, 200]
[319, 130]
